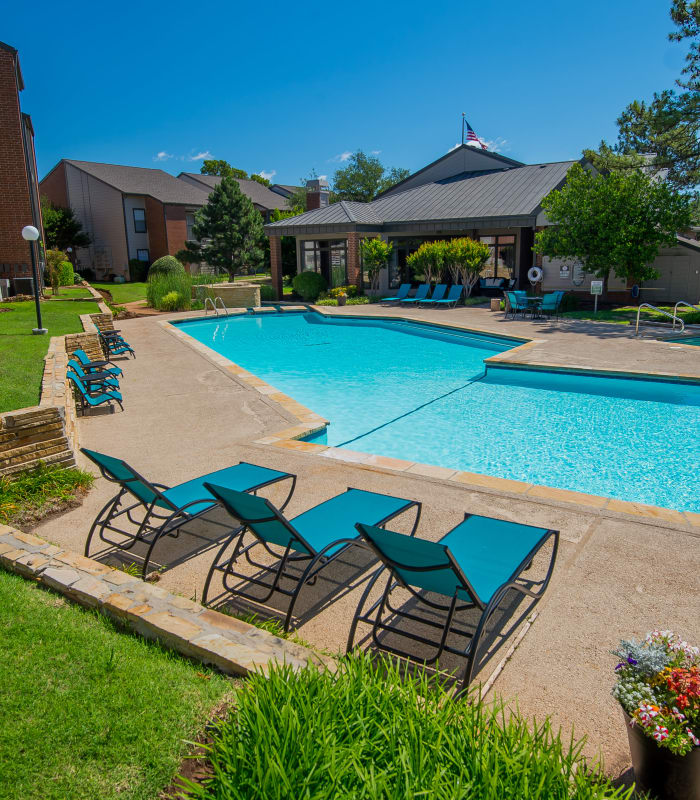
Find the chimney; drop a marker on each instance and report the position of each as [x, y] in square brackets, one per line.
[317, 193]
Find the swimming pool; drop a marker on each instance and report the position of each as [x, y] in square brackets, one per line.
[422, 393]
[686, 340]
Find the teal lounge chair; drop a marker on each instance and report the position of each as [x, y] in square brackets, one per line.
[421, 294]
[453, 297]
[154, 510]
[91, 379]
[402, 293]
[438, 294]
[90, 397]
[116, 345]
[474, 566]
[97, 366]
[314, 538]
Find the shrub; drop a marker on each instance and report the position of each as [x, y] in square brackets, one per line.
[88, 274]
[198, 280]
[165, 265]
[350, 291]
[138, 270]
[65, 273]
[372, 731]
[309, 285]
[162, 285]
[267, 292]
[77, 277]
[569, 303]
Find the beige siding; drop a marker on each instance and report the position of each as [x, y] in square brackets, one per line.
[99, 209]
[679, 279]
[136, 241]
[552, 279]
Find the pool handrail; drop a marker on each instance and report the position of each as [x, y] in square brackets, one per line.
[675, 310]
[213, 305]
[223, 305]
[660, 311]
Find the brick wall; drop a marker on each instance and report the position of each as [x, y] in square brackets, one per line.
[354, 272]
[176, 228]
[155, 224]
[276, 264]
[15, 203]
[54, 186]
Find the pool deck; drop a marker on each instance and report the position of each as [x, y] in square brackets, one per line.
[618, 573]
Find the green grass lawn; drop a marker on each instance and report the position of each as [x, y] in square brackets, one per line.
[22, 353]
[69, 291]
[90, 712]
[123, 292]
[626, 315]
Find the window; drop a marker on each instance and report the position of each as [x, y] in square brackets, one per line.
[139, 220]
[501, 263]
[142, 255]
[189, 218]
[327, 257]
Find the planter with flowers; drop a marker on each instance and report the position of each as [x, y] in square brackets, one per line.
[658, 687]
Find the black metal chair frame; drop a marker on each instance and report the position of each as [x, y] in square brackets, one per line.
[105, 390]
[378, 612]
[317, 559]
[114, 341]
[166, 524]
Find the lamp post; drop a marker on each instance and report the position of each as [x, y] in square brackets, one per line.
[31, 234]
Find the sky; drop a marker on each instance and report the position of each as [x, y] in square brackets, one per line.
[282, 89]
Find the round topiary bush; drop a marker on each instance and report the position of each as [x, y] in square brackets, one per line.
[166, 265]
[309, 285]
[65, 273]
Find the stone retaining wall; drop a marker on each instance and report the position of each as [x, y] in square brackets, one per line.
[234, 295]
[231, 645]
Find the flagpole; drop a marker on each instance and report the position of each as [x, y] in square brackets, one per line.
[462, 127]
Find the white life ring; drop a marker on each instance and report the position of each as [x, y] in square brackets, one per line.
[534, 274]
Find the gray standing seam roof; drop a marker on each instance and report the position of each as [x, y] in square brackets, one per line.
[512, 192]
[145, 181]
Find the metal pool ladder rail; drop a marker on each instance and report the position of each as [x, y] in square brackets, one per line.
[223, 305]
[660, 311]
[675, 311]
[208, 299]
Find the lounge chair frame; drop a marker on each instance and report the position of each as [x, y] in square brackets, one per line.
[156, 521]
[100, 394]
[381, 612]
[317, 558]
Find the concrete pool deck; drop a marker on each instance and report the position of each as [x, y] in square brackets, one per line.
[617, 574]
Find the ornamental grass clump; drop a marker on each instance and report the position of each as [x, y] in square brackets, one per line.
[370, 731]
[658, 685]
[161, 288]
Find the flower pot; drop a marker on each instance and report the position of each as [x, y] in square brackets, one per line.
[660, 772]
[342, 299]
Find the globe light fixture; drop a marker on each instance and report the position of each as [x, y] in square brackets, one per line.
[31, 234]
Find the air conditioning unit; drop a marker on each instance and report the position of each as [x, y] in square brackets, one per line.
[4, 288]
[23, 285]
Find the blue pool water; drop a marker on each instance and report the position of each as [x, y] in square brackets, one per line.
[421, 393]
[687, 340]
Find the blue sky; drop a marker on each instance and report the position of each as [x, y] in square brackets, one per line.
[286, 88]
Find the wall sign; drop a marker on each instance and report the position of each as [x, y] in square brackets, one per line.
[564, 271]
[596, 287]
[579, 274]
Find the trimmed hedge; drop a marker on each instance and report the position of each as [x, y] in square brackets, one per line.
[166, 265]
[65, 274]
[267, 292]
[309, 285]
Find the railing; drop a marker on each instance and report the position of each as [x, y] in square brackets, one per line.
[658, 311]
[223, 305]
[208, 299]
[675, 310]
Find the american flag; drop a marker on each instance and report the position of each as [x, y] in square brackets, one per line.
[472, 137]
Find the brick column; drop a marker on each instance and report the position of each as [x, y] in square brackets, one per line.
[276, 264]
[354, 271]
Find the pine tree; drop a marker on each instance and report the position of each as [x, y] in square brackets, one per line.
[229, 230]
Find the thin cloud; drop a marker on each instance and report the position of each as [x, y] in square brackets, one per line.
[163, 156]
[267, 175]
[341, 157]
[200, 156]
[497, 145]
[374, 152]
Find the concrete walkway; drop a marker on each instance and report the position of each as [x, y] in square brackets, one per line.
[615, 576]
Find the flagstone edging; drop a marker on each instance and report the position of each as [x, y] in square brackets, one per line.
[233, 646]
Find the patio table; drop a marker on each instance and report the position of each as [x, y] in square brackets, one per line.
[534, 304]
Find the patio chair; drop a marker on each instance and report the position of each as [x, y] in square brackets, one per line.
[115, 345]
[550, 304]
[90, 397]
[438, 294]
[97, 366]
[474, 566]
[421, 294]
[163, 510]
[453, 296]
[104, 379]
[402, 293]
[317, 536]
[516, 303]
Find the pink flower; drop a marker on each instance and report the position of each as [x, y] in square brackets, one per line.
[693, 738]
[660, 733]
[676, 714]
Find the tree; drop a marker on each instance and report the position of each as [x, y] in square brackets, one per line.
[375, 256]
[297, 200]
[465, 259]
[667, 127]
[228, 229]
[61, 228]
[217, 166]
[364, 178]
[616, 221]
[259, 179]
[55, 259]
[428, 260]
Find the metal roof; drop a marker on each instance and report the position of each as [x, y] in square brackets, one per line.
[259, 194]
[155, 183]
[494, 194]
